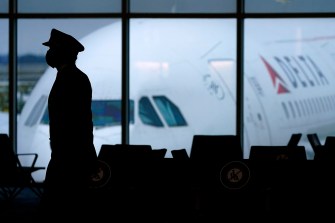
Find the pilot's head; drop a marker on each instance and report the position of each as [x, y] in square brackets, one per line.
[63, 49]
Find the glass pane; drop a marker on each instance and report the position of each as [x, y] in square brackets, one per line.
[289, 6]
[69, 6]
[169, 111]
[192, 62]
[289, 72]
[106, 113]
[3, 6]
[183, 6]
[4, 78]
[101, 61]
[147, 113]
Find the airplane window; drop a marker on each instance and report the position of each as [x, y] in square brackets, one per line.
[37, 111]
[105, 113]
[148, 114]
[170, 111]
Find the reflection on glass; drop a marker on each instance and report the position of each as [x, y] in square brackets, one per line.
[186, 70]
[288, 81]
[68, 6]
[4, 84]
[289, 6]
[183, 6]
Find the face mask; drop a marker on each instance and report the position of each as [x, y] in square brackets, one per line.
[52, 58]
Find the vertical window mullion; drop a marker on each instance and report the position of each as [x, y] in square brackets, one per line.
[125, 73]
[239, 69]
[12, 72]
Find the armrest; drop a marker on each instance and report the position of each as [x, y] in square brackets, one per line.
[29, 154]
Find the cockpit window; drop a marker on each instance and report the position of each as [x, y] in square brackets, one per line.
[148, 114]
[170, 111]
[105, 113]
[37, 111]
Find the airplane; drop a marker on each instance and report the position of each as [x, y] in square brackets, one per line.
[187, 86]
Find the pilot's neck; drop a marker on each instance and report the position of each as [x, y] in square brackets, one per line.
[63, 66]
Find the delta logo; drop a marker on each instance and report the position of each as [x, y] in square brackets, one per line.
[300, 72]
[276, 79]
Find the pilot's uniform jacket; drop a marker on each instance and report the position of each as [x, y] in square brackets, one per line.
[71, 126]
[73, 155]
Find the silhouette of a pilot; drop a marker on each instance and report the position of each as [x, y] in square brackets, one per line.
[73, 156]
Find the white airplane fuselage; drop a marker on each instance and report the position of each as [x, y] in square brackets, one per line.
[285, 90]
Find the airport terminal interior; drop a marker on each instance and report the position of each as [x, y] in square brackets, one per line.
[202, 111]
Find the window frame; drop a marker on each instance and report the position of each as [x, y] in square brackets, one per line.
[126, 15]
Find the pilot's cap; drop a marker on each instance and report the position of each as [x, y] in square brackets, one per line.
[60, 39]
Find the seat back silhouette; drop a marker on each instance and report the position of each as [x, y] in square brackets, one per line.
[292, 151]
[115, 152]
[158, 154]
[13, 176]
[316, 144]
[327, 152]
[136, 151]
[294, 140]
[324, 151]
[314, 140]
[179, 154]
[209, 154]
[216, 148]
[128, 162]
[270, 153]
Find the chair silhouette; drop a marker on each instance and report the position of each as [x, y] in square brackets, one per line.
[158, 154]
[209, 153]
[180, 154]
[136, 151]
[324, 151]
[316, 144]
[327, 151]
[114, 152]
[270, 153]
[294, 140]
[127, 161]
[216, 148]
[330, 141]
[13, 176]
[109, 153]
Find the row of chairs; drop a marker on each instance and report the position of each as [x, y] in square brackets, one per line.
[14, 177]
[212, 187]
[209, 147]
[290, 151]
[111, 152]
[228, 147]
